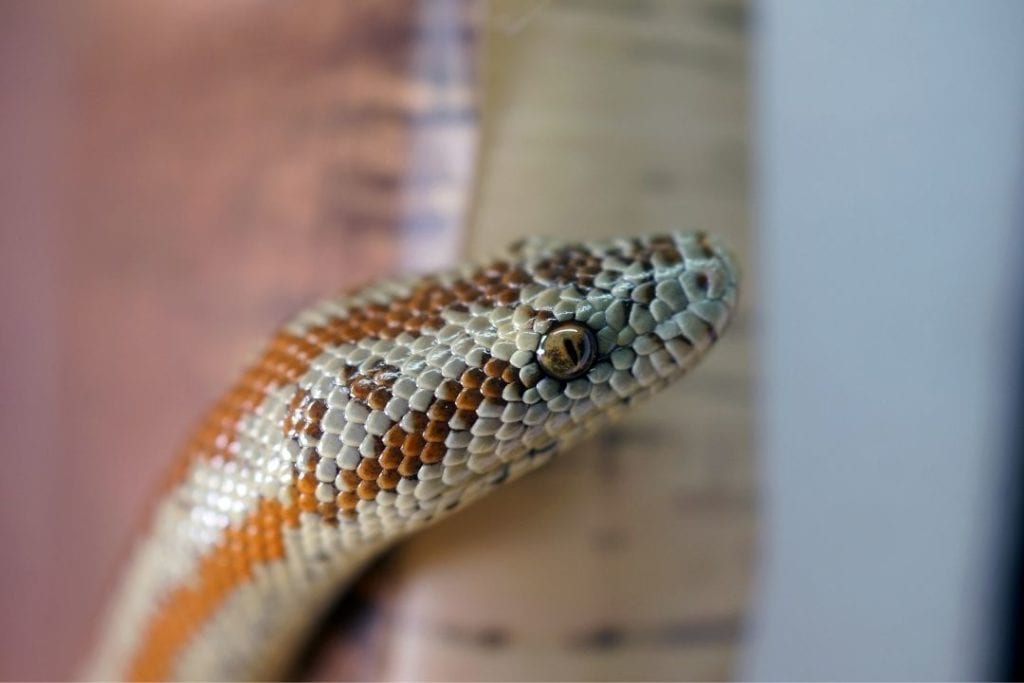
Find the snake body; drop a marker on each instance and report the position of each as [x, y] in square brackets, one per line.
[375, 413]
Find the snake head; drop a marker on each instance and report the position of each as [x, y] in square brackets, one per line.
[575, 332]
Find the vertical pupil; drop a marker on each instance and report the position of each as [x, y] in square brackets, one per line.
[570, 349]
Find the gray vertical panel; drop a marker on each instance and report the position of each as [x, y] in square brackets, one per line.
[891, 145]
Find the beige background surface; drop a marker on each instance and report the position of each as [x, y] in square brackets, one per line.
[630, 558]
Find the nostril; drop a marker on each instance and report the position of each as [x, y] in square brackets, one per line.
[702, 282]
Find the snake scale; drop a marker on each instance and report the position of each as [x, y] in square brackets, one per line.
[375, 413]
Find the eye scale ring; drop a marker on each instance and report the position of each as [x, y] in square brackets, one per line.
[567, 351]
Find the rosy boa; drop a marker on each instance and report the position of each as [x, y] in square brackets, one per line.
[376, 413]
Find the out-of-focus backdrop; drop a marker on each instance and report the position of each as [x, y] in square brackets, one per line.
[830, 496]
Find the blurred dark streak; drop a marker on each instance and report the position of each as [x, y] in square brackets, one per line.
[485, 637]
[620, 436]
[352, 623]
[678, 634]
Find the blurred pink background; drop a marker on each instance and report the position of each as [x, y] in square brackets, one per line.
[176, 179]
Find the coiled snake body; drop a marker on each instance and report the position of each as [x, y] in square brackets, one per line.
[373, 414]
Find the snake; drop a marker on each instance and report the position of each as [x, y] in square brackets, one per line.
[377, 412]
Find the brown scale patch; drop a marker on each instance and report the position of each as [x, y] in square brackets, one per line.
[347, 501]
[391, 457]
[306, 483]
[448, 390]
[417, 421]
[576, 264]
[312, 431]
[373, 387]
[409, 466]
[436, 432]
[394, 436]
[294, 415]
[469, 399]
[465, 417]
[433, 453]
[388, 480]
[494, 367]
[417, 441]
[378, 445]
[515, 277]
[229, 564]
[368, 469]
[308, 502]
[509, 375]
[570, 264]
[316, 410]
[304, 419]
[492, 388]
[441, 410]
[413, 444]
[288, 356]
[367, 490]
[472, 378]
[379, 398]
[349, 479]
[662, 245]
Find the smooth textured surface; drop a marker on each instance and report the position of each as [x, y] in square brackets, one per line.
[890, 176]
[376, 413]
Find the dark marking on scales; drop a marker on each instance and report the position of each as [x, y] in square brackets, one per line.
[681, 633]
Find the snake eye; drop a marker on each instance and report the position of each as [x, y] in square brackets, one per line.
[567, 351]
